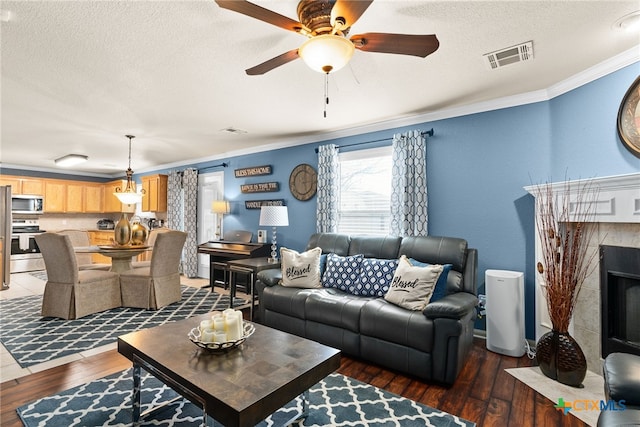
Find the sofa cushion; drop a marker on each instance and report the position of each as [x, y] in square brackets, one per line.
[334, 307]
[440, 290]
[342, 272]
[412, 286]
[388, 322]
[287, 301]
[375, 277]
[300, 270]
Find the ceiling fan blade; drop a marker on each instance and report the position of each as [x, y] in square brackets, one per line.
[273, 63]
[260, 13]
[350, 11]
[402, 44]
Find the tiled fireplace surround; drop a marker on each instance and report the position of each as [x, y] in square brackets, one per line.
[617, 223]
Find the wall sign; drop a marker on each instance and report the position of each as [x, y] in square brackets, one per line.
[262, 187]
[257, 204]
[253, 171]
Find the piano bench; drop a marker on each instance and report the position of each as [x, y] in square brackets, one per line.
[220, 266]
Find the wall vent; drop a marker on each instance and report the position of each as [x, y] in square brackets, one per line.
[511, 55]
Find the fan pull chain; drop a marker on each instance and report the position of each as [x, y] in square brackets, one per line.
[326, 93]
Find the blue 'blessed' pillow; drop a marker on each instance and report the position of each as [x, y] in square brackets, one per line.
[441, 285]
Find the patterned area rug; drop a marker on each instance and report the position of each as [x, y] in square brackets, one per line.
[32, 339]
[335, 401]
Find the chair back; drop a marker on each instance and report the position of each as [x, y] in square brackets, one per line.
[238, 236]
[59, 257]
[79, 238]
[167, 251]
[151, 240]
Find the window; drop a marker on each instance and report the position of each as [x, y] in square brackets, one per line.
[365, 191]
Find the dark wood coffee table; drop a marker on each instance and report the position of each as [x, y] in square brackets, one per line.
[240, 387]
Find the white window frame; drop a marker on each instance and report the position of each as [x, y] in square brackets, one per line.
[349, 218]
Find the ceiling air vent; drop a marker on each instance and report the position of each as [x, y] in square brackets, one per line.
[510, 55]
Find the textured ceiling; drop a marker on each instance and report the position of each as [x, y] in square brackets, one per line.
[79, 75]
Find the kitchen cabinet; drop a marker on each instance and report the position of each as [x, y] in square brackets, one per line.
[155, 193]
[55, 193]
[19, 185]
[74, 202]
[99, 238]
[93, 198]
[111, 202]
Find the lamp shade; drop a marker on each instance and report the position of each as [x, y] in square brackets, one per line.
[275, 216]
[326, 53]
[220, 207]
[128, 197]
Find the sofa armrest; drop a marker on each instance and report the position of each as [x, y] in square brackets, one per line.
[270, 277]
[453, 306]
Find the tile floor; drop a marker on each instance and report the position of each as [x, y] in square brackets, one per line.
[24, 284]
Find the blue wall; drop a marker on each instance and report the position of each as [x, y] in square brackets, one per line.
[477, 167]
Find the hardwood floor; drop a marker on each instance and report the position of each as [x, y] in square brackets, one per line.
[483, 392]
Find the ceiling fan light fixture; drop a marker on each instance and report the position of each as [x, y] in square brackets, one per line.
[70, 160]
[326, 53]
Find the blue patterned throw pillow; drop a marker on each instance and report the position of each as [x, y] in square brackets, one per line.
[342, 272]
[375, 277]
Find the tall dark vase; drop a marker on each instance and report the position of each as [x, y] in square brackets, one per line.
[561, 358]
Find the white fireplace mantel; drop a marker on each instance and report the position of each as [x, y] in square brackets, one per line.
[617, 198]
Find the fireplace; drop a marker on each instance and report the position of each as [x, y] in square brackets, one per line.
[620, 299]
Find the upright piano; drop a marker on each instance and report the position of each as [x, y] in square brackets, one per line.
[221, 251]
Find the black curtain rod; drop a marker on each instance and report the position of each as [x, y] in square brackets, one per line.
[224, 165]
[428, 133]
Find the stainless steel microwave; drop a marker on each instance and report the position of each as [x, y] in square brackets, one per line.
[23, 204]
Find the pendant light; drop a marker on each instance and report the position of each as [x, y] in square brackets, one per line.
[128, 195]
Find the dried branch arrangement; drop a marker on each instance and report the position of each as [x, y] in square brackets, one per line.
[565, 233]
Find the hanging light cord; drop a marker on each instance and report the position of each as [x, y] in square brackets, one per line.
[326, 93]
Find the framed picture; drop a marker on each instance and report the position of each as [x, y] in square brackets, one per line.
[629, 119]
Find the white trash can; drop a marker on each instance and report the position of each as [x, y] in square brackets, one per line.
[505, 312]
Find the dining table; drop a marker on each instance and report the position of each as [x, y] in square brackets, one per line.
[121, 256]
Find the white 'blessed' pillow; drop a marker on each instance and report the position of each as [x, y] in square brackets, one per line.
[411, 286]
[300, 270]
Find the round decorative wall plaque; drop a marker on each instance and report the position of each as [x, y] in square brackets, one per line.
[629, 119]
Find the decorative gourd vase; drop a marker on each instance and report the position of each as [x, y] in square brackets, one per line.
[561, 358]
[122, 231]
[139, 232]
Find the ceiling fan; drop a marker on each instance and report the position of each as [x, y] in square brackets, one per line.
[326, 23]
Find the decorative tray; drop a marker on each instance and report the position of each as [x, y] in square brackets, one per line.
[194, 336]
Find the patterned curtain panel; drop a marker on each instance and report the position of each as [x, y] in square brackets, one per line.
[190, 252]
[328, 189]
[409, 185]
[174, 200]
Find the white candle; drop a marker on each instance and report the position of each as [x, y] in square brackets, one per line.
[208, 335]
[232, 328]
[219, 336]
[218, 324]
[206, 324]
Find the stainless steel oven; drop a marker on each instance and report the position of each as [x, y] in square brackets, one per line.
[25, 254]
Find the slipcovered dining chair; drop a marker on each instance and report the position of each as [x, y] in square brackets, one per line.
[80, 238]
[70, 293]
[158, 285]
[151, 240]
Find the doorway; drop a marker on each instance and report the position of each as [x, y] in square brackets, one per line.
[210, 188]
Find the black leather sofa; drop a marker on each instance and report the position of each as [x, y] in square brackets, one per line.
[432, 344]
[622, 389]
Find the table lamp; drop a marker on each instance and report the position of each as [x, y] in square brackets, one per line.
[220, 208]
[275, 216]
